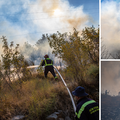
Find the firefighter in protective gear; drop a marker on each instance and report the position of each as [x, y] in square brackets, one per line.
[86, 109]
[48, 63]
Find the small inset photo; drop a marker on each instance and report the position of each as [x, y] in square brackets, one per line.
[110, 29]
[110, 90]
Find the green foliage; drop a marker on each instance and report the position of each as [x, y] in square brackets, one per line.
[77, 51]
[90, 38]
[56, 41]
[93, 71]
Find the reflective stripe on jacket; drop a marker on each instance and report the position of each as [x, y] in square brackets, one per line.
[83, 107]
[48, 62]
[87, 109]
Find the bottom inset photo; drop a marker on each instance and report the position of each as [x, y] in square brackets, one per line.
[110, 90]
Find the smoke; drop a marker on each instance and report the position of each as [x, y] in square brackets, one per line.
[110, 24]
[110, 76]
[36, 53]
[77, 21]
[45, 19]
[26, 21]
[68, 16]
[48, 6]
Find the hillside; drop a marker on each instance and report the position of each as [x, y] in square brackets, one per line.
[28, 93]
[38, 98]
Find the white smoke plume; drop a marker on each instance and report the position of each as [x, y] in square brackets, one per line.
[26, 21]
[58, 14]
[36, 53]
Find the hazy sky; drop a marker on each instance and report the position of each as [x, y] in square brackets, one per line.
[110, 24]
[27, 20]
[110, 76]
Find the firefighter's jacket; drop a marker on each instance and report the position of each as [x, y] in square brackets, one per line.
[87, 109]
[46, 62]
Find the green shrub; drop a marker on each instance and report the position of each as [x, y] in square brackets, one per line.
[93, 71]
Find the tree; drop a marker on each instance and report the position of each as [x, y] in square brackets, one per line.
[56, 41]
[90, 38]
[13, 63]
[41, 41]
[104, 52]
[78, 52]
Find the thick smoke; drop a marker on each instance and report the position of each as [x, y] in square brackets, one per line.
[36, 53]
[34, 18]
[68, 17]
[110, 25]
[110, 76]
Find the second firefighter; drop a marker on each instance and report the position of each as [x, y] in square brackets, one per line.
[48, 63]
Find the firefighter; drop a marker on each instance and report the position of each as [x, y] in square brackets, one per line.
[86, 109]
[48, 63]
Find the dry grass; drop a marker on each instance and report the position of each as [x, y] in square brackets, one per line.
[37, 98]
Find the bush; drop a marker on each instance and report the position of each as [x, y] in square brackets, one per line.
[93, 71]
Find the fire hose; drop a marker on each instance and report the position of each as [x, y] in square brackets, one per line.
[67, 90]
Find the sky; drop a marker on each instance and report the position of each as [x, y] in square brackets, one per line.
[27, 20]
[110, 25]
[110, 77]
